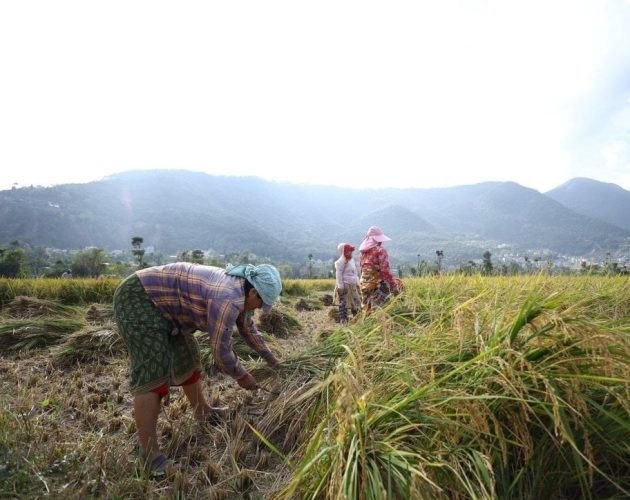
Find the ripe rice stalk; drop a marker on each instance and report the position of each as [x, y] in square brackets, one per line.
[75, 291]
[301, 287]
[499, 388]
[24, 335]
[240, 348]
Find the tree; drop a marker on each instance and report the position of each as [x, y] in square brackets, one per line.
[310, 265]
[439, 256]
[13, 263]
[423, 267]
[37, 259]
[469, 268]
[487, 266]
[138, 251]
[197, 256]
[57, 269]
[90, 262]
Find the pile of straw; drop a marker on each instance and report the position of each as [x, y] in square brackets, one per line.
[24, 335]
[90, 344]
[279, 323]
[31, 307]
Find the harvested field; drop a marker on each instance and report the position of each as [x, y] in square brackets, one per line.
[459, 388]
[67, 428]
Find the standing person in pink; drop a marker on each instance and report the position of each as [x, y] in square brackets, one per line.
[347, 283]
[377, 282]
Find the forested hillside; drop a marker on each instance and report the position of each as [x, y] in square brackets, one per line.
[175, 210]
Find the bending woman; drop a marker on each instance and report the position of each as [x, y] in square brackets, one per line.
[157, 310]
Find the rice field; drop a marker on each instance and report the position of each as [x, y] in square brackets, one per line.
[461, 387]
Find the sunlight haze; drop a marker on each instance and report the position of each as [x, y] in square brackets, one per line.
[354, 94]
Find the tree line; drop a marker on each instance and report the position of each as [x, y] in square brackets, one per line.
[20, 260]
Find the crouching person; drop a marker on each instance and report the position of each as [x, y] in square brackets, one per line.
[157, 310]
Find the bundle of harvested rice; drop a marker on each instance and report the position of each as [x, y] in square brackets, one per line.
[334, 315]
[89, 344]
[293, 410]
[99, 313]
[32, 307]
[278, 323]
[327, 300]
[305, 305]
[25, 335]
[240, 348]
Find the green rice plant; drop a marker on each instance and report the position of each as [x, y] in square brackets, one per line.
[24, 335]
[476, 387]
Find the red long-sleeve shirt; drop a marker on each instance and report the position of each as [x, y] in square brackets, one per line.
[376, 258]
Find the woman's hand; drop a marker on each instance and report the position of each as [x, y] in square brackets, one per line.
[247, 382]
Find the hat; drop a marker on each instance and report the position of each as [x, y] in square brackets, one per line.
[265, 278]
[376, 233]
[373, 237]
[343, 246]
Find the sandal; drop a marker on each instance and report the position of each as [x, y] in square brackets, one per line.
[158, 466]
[215, 416]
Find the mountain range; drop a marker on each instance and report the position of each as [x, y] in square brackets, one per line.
[176, 210]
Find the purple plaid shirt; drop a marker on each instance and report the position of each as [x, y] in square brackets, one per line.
[195, 297]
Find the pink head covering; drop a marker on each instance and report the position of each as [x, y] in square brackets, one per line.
[373, 237]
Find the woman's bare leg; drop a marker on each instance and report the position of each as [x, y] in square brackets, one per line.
[146, 410]
[194, 393]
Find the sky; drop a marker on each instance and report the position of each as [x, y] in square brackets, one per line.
[359, 94]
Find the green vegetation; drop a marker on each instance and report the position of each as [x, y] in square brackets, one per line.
[293, 221]
[77, 291]
[461, 387]
[476, 387]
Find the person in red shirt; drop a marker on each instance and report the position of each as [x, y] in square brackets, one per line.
[377, 282]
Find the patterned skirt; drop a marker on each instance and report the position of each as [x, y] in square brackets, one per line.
[155, 356]
[352, 296]
[374, 290]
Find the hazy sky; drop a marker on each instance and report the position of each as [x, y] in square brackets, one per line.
[360, 94]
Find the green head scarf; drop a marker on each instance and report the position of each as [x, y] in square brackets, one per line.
[265, 278]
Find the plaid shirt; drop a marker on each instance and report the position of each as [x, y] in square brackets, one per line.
[195, 297]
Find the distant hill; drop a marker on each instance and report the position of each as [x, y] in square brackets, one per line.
[180, 210]
[600, 200]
